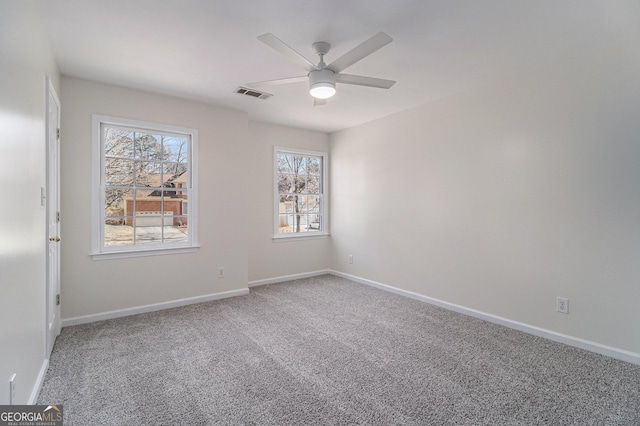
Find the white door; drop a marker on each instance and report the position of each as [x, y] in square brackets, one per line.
[53, 217]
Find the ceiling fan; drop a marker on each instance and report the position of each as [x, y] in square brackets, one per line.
[322, 78]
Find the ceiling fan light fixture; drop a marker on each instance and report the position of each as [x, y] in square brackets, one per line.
[322, 83]
[322, 90]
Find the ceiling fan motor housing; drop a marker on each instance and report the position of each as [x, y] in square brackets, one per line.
[322, 83]
[321, 47]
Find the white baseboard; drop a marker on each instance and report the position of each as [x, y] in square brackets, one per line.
[289, 278]
[577, 342]
[150, 308]
[33, 398]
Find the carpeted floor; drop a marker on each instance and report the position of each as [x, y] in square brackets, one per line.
[326, 350]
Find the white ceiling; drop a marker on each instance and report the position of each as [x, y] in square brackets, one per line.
[204, 49]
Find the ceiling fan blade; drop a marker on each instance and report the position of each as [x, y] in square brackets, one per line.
[319, 102]
[279, 46]
[279, 81]
[361, 51]
[360, 80]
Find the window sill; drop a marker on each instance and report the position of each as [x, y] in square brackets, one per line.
[143, 253]
[297, 237]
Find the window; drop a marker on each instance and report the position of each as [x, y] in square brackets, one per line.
[300, 193]
[144, 183]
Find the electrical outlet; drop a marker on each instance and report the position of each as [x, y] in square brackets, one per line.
[350, 258]
[12, 390]
[221, 272]
[562, 305]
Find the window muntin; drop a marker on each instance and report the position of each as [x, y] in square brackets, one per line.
[146, 187]
[300, 193]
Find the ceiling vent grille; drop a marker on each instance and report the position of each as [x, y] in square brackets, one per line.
[253, 93]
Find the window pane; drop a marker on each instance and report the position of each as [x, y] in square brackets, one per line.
[300, 205]
[314, 204]
[300, 165]
[160, 234]
[285, 183]
[181, 222]
[316, 223]
[175, 172]
[315, 213]
[173, 202]
[185, 205]
[148, 173]
[113, 198]
[148, 234]
[146, 207]
[174, 176]
[175, 149]
[117, 234]
[285, 206]
[299, 184]
[114, 215]
[284, 163]
[295, 221]
[118, 142]
[147, 147]
[285, 222]
[183, 196]
[118, 171]
[174, 234]
[313, 166]
[312, 185]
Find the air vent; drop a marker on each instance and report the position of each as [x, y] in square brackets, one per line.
[253, 93]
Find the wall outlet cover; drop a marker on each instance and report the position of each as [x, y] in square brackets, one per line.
[562, 305]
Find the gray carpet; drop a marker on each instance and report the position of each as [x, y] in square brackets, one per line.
[329, 351]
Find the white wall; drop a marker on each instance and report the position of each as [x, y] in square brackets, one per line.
[269, 258]
[25, 61]
[92, 287]
[502, 198]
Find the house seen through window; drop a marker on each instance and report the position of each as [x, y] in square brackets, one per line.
[146, 186]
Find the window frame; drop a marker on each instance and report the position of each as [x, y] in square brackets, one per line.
[100, 251]
[324, 195]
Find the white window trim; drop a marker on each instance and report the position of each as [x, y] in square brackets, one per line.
[98, 250]
[325, 192]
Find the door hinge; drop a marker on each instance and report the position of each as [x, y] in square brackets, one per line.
[58, 217]
[58, 299]
[58, 133]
